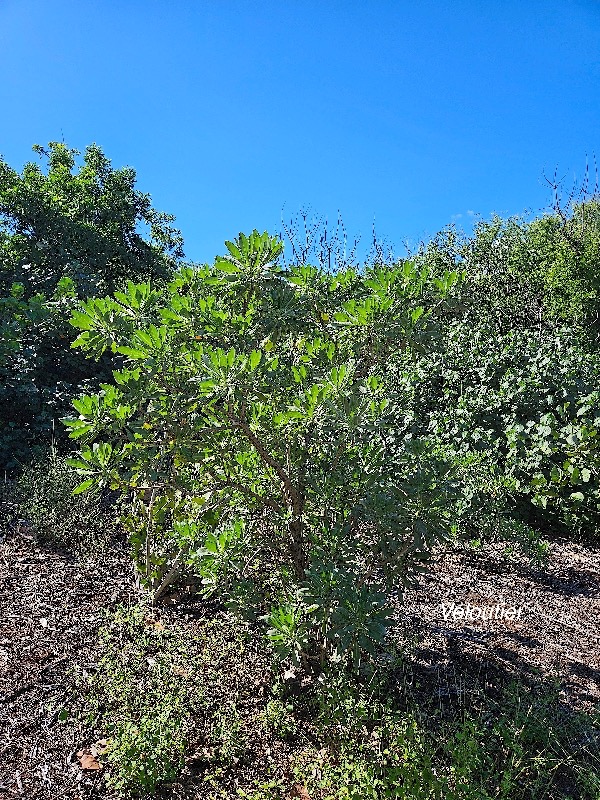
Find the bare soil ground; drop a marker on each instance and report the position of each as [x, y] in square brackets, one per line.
[555, 633]
[52, 603]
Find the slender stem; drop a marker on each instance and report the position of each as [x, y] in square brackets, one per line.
[169, 577]
[149, 529]
[293, 494]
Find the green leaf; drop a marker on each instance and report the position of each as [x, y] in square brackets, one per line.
[81, 321]
[84, 486]
[233, 250]
[227, 266]
[132, 352]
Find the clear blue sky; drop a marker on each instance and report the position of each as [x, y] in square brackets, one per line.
[412, 114]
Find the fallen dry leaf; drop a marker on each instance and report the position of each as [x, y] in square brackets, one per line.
[87, 761]
[298, 792]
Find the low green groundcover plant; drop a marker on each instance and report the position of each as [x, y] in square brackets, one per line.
[167, 694]
[141, 702]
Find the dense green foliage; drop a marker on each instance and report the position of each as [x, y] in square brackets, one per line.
[332, 421]
[517, 374]
[259, 428]
[65, 233]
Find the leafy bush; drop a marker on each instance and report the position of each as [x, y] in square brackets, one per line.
[510, 386]
[528, 404]
[258, 431]
[543, 269]
[38, 373]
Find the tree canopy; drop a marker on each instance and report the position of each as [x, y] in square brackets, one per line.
[67, 231]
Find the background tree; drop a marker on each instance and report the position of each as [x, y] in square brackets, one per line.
[67, 232]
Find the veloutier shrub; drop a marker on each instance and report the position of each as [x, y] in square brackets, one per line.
[258, 431]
